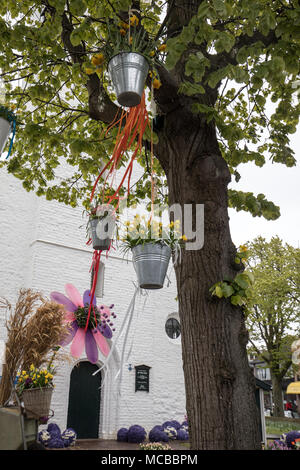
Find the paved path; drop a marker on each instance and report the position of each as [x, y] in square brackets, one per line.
[102, 444]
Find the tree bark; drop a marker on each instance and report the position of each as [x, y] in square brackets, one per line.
[220, 387]
[277, 395]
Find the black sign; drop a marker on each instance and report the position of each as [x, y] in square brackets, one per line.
[142, 378]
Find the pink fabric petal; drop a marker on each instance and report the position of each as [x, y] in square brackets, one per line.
[63, 300]
[77, 345]
[91, 348]
[69, 316]
[74, 295]
[101, 341]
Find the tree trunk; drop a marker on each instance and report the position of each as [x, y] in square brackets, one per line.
[220, 387]
[277, 395]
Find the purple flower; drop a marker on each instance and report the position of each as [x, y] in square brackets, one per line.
[94, 336]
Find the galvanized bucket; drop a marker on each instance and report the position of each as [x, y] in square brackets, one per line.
[128, 72]
[5, 130]
[101, 232]
[151, 262]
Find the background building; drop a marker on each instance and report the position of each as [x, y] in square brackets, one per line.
[43, 246]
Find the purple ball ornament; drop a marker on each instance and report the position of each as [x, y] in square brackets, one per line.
[136, 434]
[157, 434]
[182, 435]
[122, 435]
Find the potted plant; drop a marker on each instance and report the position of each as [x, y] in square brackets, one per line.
[101, 226]
[7, 125]
[129, 52]
[151, 245]
[35, 387]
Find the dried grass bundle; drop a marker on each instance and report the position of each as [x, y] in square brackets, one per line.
[44, 331]
[34, 329]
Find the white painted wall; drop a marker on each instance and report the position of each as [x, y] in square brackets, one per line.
[43, 247]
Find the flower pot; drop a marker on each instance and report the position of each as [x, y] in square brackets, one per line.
[151, 262]
[37, 401]
[101, 233]
[128, 72]
[5, 130]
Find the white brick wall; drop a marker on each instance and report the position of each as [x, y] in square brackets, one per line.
[42, 246]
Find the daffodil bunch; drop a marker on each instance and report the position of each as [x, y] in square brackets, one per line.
[35, 378]
[242, 254]
[141, 230]
[155, 446]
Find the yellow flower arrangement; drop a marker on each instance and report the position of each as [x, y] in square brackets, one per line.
[98, 59]
[134, 21]
[35, 378]
[156, 84]
[142, 230]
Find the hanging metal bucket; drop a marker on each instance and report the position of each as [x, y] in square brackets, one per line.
[5, 130]
[151, 262]
[101, 233]
[128, 72]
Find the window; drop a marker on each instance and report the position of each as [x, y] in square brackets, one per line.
[172, 328]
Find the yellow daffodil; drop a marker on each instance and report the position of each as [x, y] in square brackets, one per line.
[184, 238]
[130, 40]
[243, 248]
[162, 47]
[89, 71]
[171, 225]
[32, 367]
[98, 59]
[122, 32]
[123, 25]
[151, 54]
[134, 21]
[127, 223]
[156, 84]
[24, 372]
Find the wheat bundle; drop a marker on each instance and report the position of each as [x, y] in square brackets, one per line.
[34, 329]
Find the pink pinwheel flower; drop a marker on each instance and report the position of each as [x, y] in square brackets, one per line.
[98, 330]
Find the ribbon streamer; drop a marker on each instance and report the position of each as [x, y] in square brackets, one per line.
[128, 318]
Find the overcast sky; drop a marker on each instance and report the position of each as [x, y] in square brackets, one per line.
[280, 185]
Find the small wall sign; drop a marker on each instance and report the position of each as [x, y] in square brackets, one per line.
[142, 378]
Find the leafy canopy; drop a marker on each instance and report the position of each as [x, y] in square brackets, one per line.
[245, 54]
[274, 316]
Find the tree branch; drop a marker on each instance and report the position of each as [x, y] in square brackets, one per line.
[101, 108]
